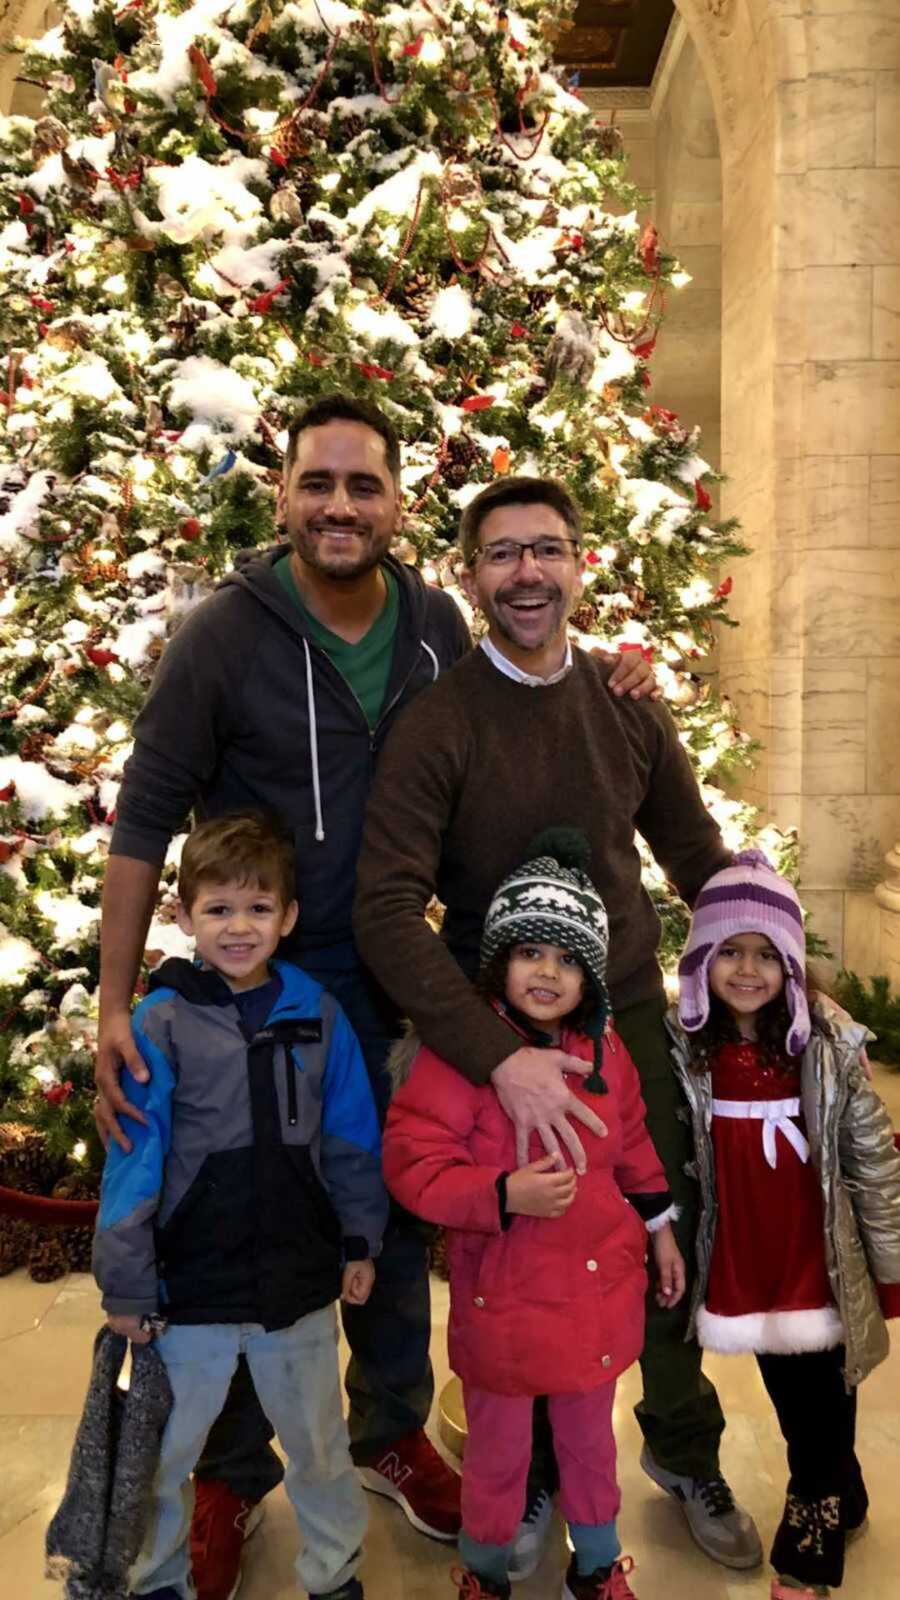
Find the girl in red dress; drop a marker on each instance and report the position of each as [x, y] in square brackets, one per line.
[799, 1237]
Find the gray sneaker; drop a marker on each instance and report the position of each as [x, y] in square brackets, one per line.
[722, 1529]
[531, 1536]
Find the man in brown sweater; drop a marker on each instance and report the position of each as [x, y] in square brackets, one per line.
[518, 736]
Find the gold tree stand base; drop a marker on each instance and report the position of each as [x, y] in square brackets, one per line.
[453, 1417]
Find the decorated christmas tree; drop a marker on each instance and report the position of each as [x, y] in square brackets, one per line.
[225, 210]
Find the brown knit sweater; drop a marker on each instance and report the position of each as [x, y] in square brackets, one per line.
[474, 769]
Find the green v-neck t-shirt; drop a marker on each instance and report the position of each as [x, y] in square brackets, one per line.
[366, 665]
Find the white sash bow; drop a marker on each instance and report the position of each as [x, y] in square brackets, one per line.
[774, 1115]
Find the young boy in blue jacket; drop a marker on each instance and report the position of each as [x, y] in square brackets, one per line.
[251, 1200]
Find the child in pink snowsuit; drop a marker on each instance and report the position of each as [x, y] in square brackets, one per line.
[547, 1271]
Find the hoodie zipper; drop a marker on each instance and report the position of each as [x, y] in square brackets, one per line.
[290, 1078]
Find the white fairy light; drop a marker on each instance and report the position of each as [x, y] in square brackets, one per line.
[681, 279]
[432, 52]
[330, 181]
[634, 300]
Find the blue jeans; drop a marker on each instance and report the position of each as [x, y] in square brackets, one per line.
[295, 1371]
[390, 1383]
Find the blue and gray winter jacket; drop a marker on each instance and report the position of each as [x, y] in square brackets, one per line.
[259, 1171]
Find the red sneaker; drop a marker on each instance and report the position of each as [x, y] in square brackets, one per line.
[411, 1472]
[607, 1583]
[220, 1526]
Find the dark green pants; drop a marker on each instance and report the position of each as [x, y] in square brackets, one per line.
[679, 1415]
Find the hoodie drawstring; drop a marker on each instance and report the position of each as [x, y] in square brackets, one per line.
[435, 664]
[313, 744]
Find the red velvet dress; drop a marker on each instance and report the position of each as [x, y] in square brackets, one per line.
[768, 1286]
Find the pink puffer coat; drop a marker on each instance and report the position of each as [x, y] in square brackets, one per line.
[550, 1305]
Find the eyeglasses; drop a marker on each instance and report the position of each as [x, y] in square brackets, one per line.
[509, 552]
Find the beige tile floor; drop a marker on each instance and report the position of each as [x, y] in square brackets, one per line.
[45, 1344]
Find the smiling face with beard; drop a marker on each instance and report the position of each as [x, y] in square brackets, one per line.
[526, 604]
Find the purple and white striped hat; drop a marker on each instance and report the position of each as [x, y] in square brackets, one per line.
[747, 897]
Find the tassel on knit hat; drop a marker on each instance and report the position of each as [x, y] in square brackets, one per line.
[747, 897]
[551, 899]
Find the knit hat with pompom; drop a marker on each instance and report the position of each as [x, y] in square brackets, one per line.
[747, 897]
[550, 899]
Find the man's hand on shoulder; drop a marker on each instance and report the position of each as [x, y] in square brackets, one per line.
[533, 1092]
[632, 674]
[116, 1048]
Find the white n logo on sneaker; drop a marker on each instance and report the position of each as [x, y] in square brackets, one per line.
[392, 1468]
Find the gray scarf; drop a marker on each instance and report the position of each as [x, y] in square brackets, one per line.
[96, 1535]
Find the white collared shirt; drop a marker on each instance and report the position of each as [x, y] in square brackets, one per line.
[510, 670]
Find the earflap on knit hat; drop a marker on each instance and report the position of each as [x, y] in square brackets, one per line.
[550, 899]
[748, 896]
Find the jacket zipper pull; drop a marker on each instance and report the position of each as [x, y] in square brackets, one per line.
[290, 1074]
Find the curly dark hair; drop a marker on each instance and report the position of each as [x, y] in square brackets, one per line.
[772, 1024]
[491, 984]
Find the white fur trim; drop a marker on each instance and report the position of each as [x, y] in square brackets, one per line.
[774, 1333]
[671, 1214]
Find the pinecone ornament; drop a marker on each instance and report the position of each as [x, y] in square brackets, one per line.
[24, 1161]
[417, 294]
[607, 138]
[350, 128]
[462, 455]
[48, 138]
[15, 1244]
[291, 138]
[584, 618]
[47, 1259]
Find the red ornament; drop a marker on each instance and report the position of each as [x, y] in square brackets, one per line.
[7, 793]
[592, 558]
[42, 304]
[100, 657]
[371, 369]
[415, 48]
[277, 157]
[646, 379]
[191, 528]
[58, 1093]
[645, 649]
[263, 302]
[724, 589]
[203, 69]
[314, 360]
[514, 44]
[26, 205]
[500, 459]
[704, 503]
[648, 249]
[519, 330]
[478, 402]
[644, 351]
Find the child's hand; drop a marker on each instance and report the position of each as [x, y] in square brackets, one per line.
[540, 1189]
[130, 1327]
[356, 1284]
[669, 1267]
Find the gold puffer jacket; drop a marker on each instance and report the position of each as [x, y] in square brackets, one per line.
[852, 1147]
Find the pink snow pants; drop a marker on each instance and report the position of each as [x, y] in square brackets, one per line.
[498, 1452]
